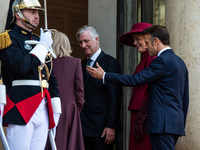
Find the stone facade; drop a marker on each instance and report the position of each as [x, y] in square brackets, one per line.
[182, 20]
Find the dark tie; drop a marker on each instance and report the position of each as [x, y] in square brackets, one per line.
[88, 64]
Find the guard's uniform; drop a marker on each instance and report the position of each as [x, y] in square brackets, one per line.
[18, 65]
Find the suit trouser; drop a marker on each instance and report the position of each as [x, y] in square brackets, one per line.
[97, 143]
[33, 135]
[163, 141]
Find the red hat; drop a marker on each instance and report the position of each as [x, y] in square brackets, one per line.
[126, 38]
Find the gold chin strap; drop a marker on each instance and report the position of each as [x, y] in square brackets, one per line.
[24, 19]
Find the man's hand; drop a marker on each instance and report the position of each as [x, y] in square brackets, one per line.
[95, 72]
[56, 117]
[110, 135]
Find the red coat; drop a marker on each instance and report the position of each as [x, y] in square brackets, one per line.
[139, 95]
[68, 72]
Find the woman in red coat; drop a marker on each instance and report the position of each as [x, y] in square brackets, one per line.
[68, 72]
[138, 139]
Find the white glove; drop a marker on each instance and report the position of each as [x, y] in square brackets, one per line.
[46, 37]
[2, 100]
[56, 105]
[1, 115]
[56, 117]
[2, 94]
[42, 47]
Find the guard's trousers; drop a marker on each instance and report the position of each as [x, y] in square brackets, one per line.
[33, 135]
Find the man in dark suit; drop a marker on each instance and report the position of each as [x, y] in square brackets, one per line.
[100, 113]
[167, 77]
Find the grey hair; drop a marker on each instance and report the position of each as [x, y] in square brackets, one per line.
[92, 29]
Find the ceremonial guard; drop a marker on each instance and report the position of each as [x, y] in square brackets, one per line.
[33, 103]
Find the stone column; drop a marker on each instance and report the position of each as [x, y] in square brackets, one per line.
[3, 12]
[129, 65]
[103, 15]
[182, 20]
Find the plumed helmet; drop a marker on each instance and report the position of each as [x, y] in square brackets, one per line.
[19, 5]
[26, 4]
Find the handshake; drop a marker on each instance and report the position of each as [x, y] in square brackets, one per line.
[43, 46]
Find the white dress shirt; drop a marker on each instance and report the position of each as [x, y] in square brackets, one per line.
[164, 49]
[94, 56]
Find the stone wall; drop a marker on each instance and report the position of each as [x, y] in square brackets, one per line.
[3, 12]
[182, 20]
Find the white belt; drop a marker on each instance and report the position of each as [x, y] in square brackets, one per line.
[27, 83]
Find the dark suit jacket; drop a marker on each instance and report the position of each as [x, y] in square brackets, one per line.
[168, 101]
[102, 103]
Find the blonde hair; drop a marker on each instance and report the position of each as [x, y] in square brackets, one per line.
[61, 45]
